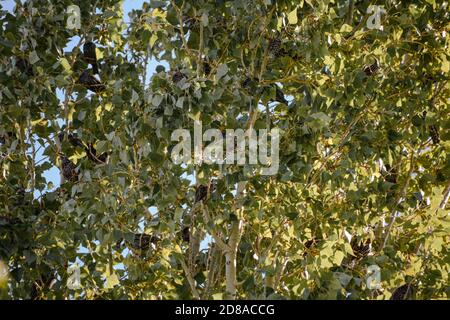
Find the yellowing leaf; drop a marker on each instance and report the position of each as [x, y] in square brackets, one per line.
[445, 66]
[153, 39]
[292, 17]
[111, 281]
[99, 53]
[65, 64]
[345, 28]
[338, 257]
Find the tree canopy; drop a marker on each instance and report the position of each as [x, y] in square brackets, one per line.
[364, 170]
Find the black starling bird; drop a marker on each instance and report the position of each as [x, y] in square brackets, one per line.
[25, 67]
[7, 137]
[90, 56]
[372, 69]
[246, 82]
[185, 234]
[142, 241]
[92, 154]
[90, 150]
[69, 169]
[279, 96]
[434, 133]
[250, 85]
[361, 249]
[275, 47]
[178, 76]
[201, 193]
[206, 68]
[310, 246]
[72, 139]
[90, 82]
[404, 292]
[390, 175]
[42, 284]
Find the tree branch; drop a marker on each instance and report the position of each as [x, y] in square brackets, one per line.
[217, 239]
[398, 200]
[190, 280]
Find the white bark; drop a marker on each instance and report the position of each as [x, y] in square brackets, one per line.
[230, 262]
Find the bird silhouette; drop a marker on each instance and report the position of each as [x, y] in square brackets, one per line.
[142, 241]
[434, 133]
[361, 249]
[404, 292]
[25, 67]
[69, 169]
[178, 76]
[90, 150]
[90, 82]
[185, 234]
[279, 96]
[372, 69]
[90, 56]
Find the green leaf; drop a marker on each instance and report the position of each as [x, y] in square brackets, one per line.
[221, 71]
[204, 19]
[157, 99]
[34, 57]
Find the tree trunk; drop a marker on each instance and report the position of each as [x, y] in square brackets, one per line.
[231, 257]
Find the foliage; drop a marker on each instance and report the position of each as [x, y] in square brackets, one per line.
[357, 164]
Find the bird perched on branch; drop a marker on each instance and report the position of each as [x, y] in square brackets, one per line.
[404, 292]
[92, 154]
[202, 192]
[361, 249]
[142, 241]
[72, 139]
[372, 69]
[90, 150]
[390, 174]
[69, 170]
[186, 234]
[7, 137]
[251, 85]
[90, 55]
[178, 76]
[275, 48]
[434, 134]
[25, 67]
[279, 96]
[90, 82]
[206, 67]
